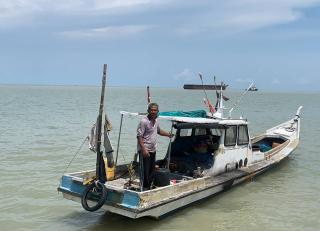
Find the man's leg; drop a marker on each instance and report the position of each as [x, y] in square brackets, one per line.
[152, 166]
[146, 172]
[141, 170]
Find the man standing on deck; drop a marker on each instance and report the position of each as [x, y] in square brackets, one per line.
[147, 131]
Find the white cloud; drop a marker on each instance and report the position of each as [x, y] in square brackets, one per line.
[20, 8]
[185, 75]
[13, 11]
[219, 17]
[102, 4]
[112, 32]
[232, 16]
[22, 12]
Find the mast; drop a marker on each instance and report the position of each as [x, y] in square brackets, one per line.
[100, 166]
[220, 104]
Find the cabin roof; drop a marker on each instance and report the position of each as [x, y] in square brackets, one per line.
[191, 120]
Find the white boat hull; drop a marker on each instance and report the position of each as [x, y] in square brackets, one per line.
[161, 201]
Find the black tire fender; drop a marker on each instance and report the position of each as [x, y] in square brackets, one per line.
[100, 190]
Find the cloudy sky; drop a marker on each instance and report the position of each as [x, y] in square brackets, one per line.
[162, 43]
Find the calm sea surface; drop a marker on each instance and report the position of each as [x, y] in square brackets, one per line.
[41, 128]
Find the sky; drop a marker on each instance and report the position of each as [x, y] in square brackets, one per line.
[162, 43]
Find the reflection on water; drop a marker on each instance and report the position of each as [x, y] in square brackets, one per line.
[42, 127]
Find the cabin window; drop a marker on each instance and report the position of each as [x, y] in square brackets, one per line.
[230, 136]
[200, 131]
[216, 132]
[243, 137]
[185, 132]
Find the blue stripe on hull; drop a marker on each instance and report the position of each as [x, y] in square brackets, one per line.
[126, 199]
[68, 184]
[130, 200]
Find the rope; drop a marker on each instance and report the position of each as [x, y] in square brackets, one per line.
[74, 156]
[122, 155]
[113, 136]
[76, 153]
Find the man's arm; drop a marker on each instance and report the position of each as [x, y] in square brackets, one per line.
[144, 151]
[140, 131]
[165, 133]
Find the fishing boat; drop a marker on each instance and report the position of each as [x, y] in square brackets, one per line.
[209, 153]
[253, 88]
[205, 86]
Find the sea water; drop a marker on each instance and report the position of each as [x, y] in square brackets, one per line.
[42, 128]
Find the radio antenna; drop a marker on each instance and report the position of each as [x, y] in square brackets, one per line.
[239, 99]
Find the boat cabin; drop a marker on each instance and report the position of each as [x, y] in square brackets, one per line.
[204, 146]
[211, 148]
[194, 148]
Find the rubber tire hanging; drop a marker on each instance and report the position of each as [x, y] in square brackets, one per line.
[100, 189]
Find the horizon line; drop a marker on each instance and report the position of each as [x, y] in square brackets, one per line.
[157, 87]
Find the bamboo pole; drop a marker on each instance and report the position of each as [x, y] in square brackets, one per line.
[100, 167]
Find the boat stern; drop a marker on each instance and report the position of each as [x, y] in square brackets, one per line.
[120, 201]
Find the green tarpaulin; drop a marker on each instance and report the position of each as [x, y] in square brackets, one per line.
[192, 114]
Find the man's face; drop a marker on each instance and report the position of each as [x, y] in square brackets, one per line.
[153, 112]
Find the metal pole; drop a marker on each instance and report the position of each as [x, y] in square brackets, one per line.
[169, 151]
[141, 170]
[119, 139]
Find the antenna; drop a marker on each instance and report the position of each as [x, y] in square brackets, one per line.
[239, 99]
[217, 94]
[219, 104]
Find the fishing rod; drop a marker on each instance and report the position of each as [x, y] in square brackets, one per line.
[239, 99]
[211, 109]
[217, 94]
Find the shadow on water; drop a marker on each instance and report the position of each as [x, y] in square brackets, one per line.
[99, 221]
